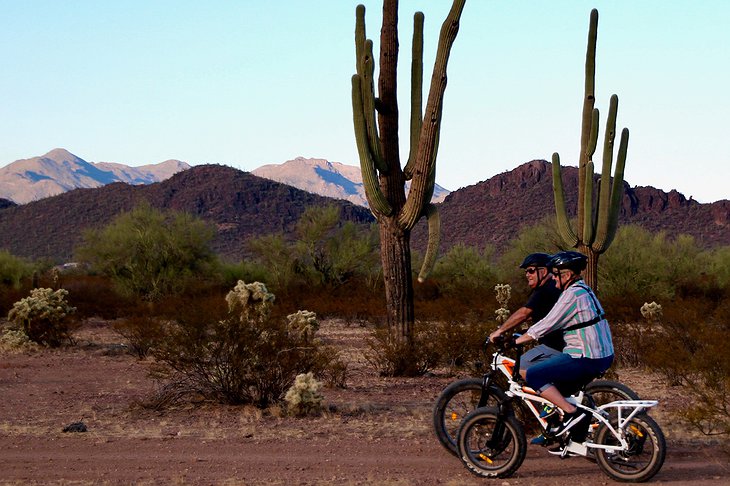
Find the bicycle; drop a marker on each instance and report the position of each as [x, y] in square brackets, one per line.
[462, 396]
[627, 444]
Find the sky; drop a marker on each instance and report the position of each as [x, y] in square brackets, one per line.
[246, 83]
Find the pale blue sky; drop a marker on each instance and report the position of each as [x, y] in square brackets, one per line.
[247, 83]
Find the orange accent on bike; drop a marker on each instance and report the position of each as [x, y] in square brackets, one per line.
[510, 365]
[454, 416]
[636, 430]
[529, 390]
[485, 458]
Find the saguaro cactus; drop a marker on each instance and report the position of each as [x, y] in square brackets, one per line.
[596, 226]
[376, 134]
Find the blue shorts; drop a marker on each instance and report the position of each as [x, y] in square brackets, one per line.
[566, 372]
[536, 355]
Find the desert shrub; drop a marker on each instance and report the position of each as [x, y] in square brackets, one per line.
[97, 296]
[141, 332]
[16, 341]
[324, 250]
[149, 253]
[652, 265]
[245, 354]
[304, 396]
[460, 344]
[464, 267]
[44, 316]
[13, 269]
[391, 357]
[274, 259]
[689, 348]
[720, 266]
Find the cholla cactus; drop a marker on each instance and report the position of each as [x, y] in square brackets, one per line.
[651, 312]
[304, 323]
[16, 341]
[253, 300]
[43, 315]
[304, 398]
[504, 292]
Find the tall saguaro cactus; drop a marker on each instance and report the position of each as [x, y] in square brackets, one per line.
[376, 134]
[596, 225]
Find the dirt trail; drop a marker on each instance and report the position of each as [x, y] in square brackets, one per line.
[380, 433]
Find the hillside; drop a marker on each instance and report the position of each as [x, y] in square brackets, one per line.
[494, 211]
[240, 205]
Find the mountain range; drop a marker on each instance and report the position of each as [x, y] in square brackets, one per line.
[242, 205]
[59, 171]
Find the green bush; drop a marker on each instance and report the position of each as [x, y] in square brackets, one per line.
[13, 269]
[652, 265]
[464, 267]
[44, 316]
[324, 250]
[149, 254]
[245, 355]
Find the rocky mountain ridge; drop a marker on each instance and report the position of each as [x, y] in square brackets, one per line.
[494, 211]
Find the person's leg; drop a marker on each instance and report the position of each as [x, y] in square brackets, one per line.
[534, 356]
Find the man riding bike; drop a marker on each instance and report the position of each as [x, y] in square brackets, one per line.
[542, 299]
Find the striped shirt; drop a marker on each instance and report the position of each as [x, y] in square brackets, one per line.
[577, 304]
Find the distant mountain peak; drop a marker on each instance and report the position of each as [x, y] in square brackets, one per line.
[59, 171]
[330, 179]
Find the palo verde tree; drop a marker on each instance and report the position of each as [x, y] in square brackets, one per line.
[376, 133]
[596, 224]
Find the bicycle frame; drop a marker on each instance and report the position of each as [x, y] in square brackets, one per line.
[626, 409]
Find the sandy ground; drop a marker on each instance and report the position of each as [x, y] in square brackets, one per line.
[379, 433]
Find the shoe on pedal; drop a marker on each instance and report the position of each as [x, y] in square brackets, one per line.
[570, 420]
[540, 440]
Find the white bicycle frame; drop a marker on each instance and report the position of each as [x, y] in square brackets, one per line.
[626, 409]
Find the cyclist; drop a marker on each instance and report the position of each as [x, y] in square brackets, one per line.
[588, 350]
[542, 298]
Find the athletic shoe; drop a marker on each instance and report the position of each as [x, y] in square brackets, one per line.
[569, 421]
[539, 440]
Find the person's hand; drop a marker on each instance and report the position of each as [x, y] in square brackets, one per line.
[495, 335]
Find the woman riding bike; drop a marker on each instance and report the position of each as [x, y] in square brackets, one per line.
[588, 350]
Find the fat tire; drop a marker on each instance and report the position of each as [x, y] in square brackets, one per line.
[486, 462]
[621, 391]
[469, 390]
[612, 464]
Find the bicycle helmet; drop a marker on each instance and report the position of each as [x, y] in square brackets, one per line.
[571, 260]
[536, 260]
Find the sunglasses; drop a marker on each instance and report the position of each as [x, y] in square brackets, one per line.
[530, 271]
[558, 273]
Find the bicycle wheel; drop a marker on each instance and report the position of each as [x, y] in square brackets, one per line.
[644, 456]
[602, 392]
[454, 403]
[490, 445]
[606, 391]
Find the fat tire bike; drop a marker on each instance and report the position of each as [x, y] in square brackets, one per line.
[462, 396]
[625, 442]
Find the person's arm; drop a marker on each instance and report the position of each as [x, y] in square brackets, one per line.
[518, 317]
